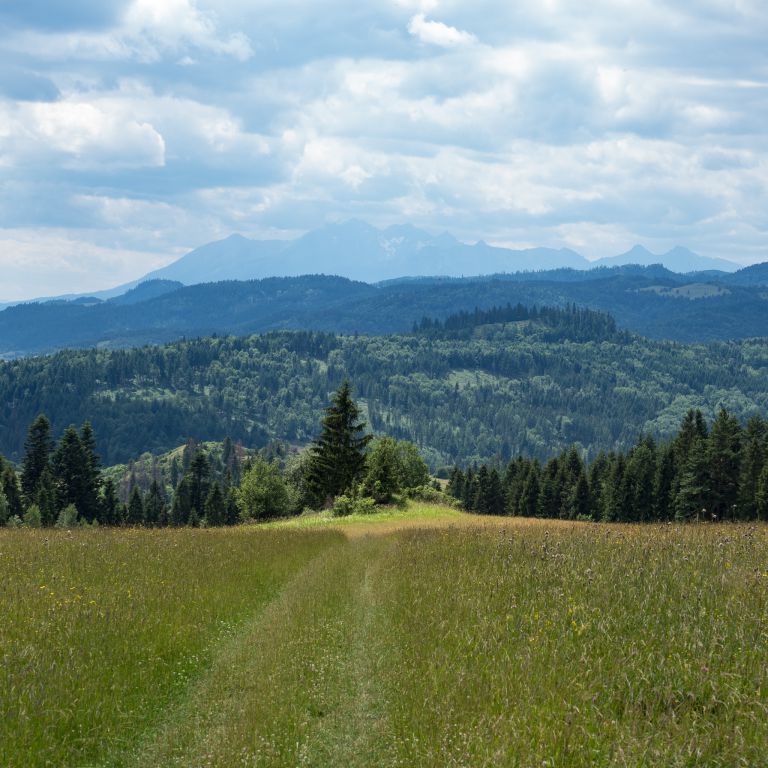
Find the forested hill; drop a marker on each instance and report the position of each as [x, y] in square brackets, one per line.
[532, 386]
[647, 300]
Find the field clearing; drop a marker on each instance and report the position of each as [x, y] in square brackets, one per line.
[423, 637]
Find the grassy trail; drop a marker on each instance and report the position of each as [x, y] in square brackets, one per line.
[297, 685]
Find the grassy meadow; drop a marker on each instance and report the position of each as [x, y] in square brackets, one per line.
[423, 637]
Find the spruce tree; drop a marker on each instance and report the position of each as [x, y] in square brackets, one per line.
[155, 506]
[579, 503]
[530, 496]
[752, 463]
[338, 454]
[37, 454]
[71, 471]
[693, 495]
[90, 500]
[663, 484]
[12, 492]
[215, 506]
[110, 506]
[494, 494]
[199, 476]
[135, 508]
[46, 498]
[724, 464]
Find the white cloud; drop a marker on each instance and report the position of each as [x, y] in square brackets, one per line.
[82, 134]
[150, 31]
[437, 33]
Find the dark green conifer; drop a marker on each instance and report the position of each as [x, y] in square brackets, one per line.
[338, 454]
[155, 513]
[37, 454]
[215, 506]
[135, 508]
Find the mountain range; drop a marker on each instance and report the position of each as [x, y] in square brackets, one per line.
[359, 251]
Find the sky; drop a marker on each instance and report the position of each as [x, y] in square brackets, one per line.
[132, 131]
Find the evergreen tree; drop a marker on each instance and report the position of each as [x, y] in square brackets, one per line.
[752, 463]
[597, 477]
[90, 500]
[663, 484]
[135, 508]
[579, 504]
[215, 506]
[199, 477]
[724, 465]
[37, 453]
[231, 511]
[155, 513]
[693, 496]
[456, 483]
[614, 495]
[12, 492]
[71, 470]
[338, 454]
[46, 499]
[111, 512]
[175, 473]
[531, 490]
[470, 490]
[494, 494]
[640, 481]
[181, 508]
[479, 498]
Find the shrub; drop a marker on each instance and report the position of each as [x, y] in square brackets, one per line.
[32, 517]
[67, 517]
[350, 505]
[431, 495]
[262, 493]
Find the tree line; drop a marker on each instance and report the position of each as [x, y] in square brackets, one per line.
[717, 472]
[62, 484]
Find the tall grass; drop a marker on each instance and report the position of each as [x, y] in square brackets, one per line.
[578, 646]
[466, 643]
[102, 630]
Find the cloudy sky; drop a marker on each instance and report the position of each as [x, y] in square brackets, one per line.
[134, 130]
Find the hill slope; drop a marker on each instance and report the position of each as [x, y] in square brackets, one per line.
[650, 301]
[494, 389]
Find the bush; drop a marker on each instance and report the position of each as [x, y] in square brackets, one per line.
[349, 505]
[14, 521]
[32, 517]
[432, 495]
[67, 517]
[262, 493]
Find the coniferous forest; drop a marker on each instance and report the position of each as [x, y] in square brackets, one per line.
[705, 472]
[479, 387]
